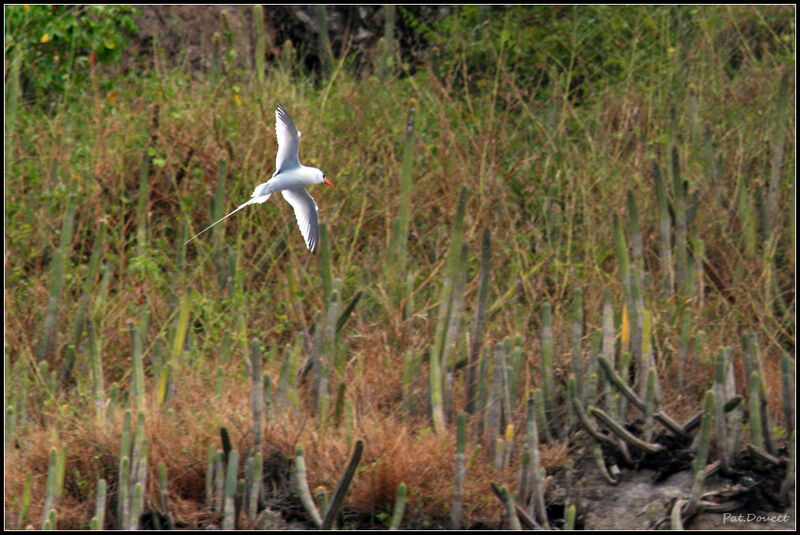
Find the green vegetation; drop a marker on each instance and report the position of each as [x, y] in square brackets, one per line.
[500, 249]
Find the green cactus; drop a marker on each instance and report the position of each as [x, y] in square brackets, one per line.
[343, 486]
[98, 388]
[163, 494]
[255, 486]
[786, 492]
[57, 277]
[453, 274]
[399, 506]
[650, 404]
[577, 337]
[660, 416]
[511, 509]
[495, 401]
[777, 142]
[386, 60]
[26, 499]
[548, 365]
[260, 49]
[137, 377]
[399, 238]
[535, 481]
[613, 426]
[756, 429]
[681, 232]
[700, 461]
[50, 521]
[52, 486]
[683, 345]
[231, 481]
[124, 494]
[301, 483]
[81, 316]
[212, 453]
[142, 201]
[137, 502]
[219, 481]
[257, 394]
[664, 232]
[788, 391]
[460, 472]
[123, 502]
[326, 352]
[437, 408]
[324, 41]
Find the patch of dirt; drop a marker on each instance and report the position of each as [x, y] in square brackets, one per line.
[644, 496]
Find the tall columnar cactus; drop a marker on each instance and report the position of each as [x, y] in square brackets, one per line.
[453, 331]
[788, 388]
[681, 230]
[260, 48]
[460, 472]
[98, 387]
[52, 486]
[778, 142]
[699, 463]
[327, 352]
[726, 426]
[142, 201]
[81, 315]
[385, 65]
[756, 429]
[751, 356]
[664, 232]
[343, 486]
[137, 377]
[577, 337]
[229, 509]
[631, 290]
[448, 315]
[324, 42]
[650, 404]
[163, 494]
[399, 506]
[123, 501]
[535, 481]
[683, 345]
[212, 454]
[57, 277]
[98, 519]
[637, 243]
[477, 324]
[399, 239]
[495, 401]
[138, 472]
[257, 394]
[548, 364]
[301, 484]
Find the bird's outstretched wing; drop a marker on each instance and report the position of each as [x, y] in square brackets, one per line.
[288, 141]
[305, 211]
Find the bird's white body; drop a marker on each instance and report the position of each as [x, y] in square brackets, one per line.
[290, 178]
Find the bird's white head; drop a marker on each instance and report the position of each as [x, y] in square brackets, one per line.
[319, 177]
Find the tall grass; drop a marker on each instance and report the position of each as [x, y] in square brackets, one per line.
[546, 166]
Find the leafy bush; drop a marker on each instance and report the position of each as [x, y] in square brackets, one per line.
[56, 44]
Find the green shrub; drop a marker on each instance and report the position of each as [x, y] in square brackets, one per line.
[56, 42]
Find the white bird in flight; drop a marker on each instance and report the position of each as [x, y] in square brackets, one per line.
[290, 178]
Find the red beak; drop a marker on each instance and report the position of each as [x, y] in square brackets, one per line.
[328, 182]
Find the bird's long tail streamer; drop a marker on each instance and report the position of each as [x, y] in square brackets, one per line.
[251, 201]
